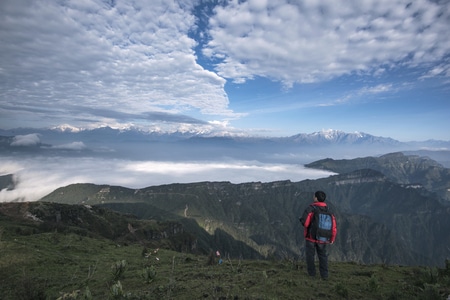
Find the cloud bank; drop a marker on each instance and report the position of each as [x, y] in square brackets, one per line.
[26, 140]
[39, 176]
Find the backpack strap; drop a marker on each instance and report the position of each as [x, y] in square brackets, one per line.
[316, 208]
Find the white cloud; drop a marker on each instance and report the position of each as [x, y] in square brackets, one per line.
[71, 146]
[381, 88]
[26, 140]
[133, 57]
[361, 94]
[311, 41]
[439, 70]
[39, 176]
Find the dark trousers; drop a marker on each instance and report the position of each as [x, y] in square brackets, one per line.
[310, 249]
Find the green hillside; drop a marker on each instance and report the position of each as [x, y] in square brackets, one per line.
[59, 251]
[379, 221]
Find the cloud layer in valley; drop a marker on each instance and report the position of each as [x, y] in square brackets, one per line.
[38, 176]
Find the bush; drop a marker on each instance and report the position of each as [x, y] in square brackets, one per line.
[149, 274]
[118, 269]
[430, 292]
[373, 284]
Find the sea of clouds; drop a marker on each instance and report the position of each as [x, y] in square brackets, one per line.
[38, 176]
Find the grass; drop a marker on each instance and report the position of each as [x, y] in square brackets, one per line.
[54, 265]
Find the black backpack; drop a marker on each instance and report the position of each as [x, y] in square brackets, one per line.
[322, 225]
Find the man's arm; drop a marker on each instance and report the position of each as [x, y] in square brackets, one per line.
[305, 218]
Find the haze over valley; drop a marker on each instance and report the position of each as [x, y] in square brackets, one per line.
[43, 160]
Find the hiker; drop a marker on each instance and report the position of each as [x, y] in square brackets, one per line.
[317, 237]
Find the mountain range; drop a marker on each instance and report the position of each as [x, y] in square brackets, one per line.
[156, 145]
[328, 137]
[383, 217]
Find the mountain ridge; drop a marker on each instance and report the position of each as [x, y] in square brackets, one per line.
[330, 135]
[372, 211]
[140, 145]
[413, 170]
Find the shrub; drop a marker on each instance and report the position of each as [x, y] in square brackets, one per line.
[430, 292]
[118, 269]
[373, 284]
[116, 290]
[149, 274]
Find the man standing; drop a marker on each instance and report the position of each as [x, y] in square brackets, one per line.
[320, 230]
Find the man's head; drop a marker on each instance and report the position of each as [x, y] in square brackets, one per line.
[320, 196]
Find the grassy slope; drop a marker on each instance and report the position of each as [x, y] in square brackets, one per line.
[48, 265]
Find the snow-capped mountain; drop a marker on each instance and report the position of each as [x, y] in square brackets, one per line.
[331, 136]
[320, 138]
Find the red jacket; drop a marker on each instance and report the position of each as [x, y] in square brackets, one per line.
[307, 218]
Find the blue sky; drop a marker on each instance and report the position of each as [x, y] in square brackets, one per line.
[263, 67]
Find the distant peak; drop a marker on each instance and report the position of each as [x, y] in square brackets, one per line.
[66, 128]
[333, 133]
[330, 133]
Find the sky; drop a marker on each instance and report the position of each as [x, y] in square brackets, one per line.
[259, 67]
